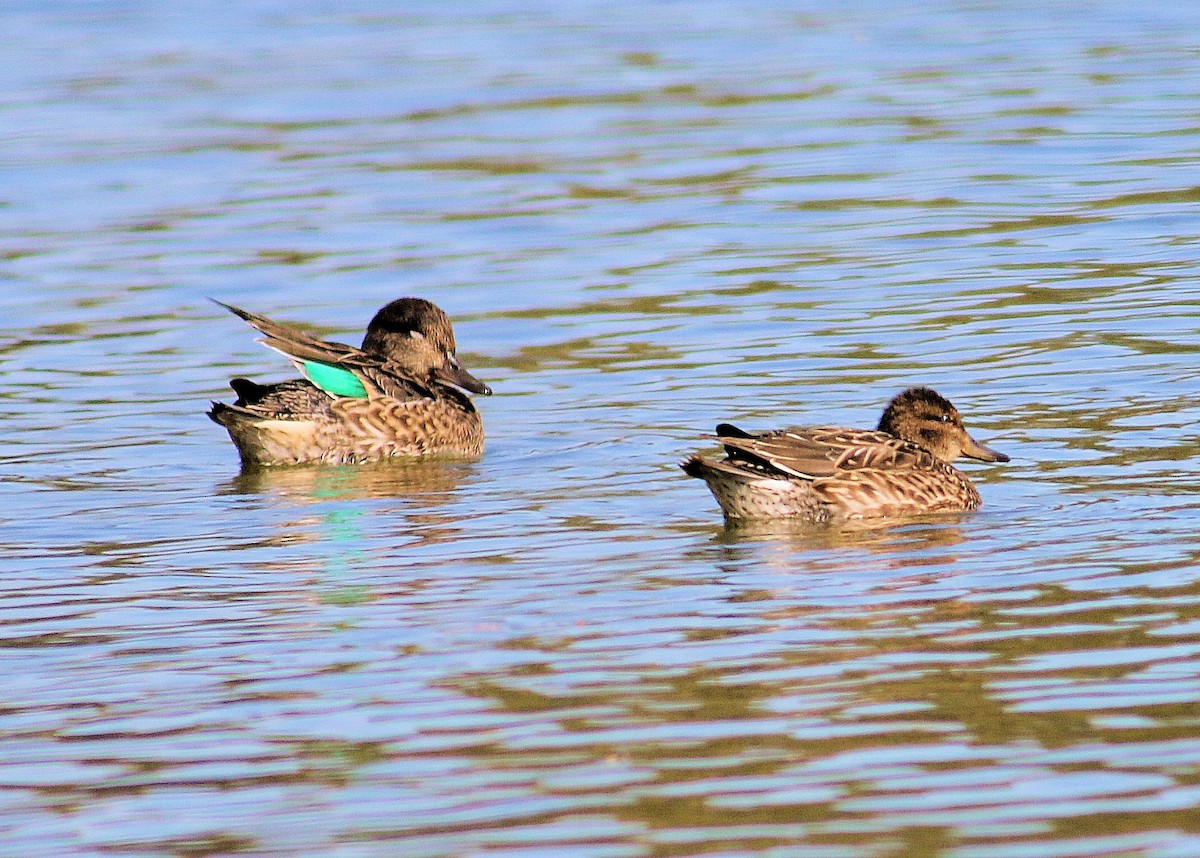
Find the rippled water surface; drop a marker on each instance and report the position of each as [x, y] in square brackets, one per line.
[643, 219]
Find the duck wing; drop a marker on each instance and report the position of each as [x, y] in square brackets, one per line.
[816, 453]
[336, 368]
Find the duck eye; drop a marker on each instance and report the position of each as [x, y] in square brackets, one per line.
[946, 418]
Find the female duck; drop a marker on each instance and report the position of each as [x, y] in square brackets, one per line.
[831, 474]
[399, 395]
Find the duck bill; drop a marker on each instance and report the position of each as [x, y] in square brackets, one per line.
[975, 450]
[452, 372]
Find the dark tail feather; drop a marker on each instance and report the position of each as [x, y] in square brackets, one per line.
[218, 412]
[694, 466]
[228, 415]
[728, 430]
[248, 392]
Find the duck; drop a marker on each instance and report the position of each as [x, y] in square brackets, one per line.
[831, 474]
[404, 393]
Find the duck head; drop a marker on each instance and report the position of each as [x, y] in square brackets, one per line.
[415, 336]
[924, 417]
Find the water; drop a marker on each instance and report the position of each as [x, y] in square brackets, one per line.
[643, 220]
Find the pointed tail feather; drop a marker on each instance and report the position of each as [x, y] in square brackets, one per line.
[728, 430]
[292, 342]
[226, 414]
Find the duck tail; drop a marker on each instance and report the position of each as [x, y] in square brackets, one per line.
[694, 466]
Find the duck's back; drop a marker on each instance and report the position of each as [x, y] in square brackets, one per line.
[827, 451]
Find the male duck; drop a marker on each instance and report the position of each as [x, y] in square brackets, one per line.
[833, 475]
[396, 396]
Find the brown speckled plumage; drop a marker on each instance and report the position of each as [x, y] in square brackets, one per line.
[832, 474]
[412, 405]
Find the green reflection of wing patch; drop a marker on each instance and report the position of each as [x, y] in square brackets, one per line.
[333, 380]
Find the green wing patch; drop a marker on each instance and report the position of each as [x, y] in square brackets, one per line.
[333, 380]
